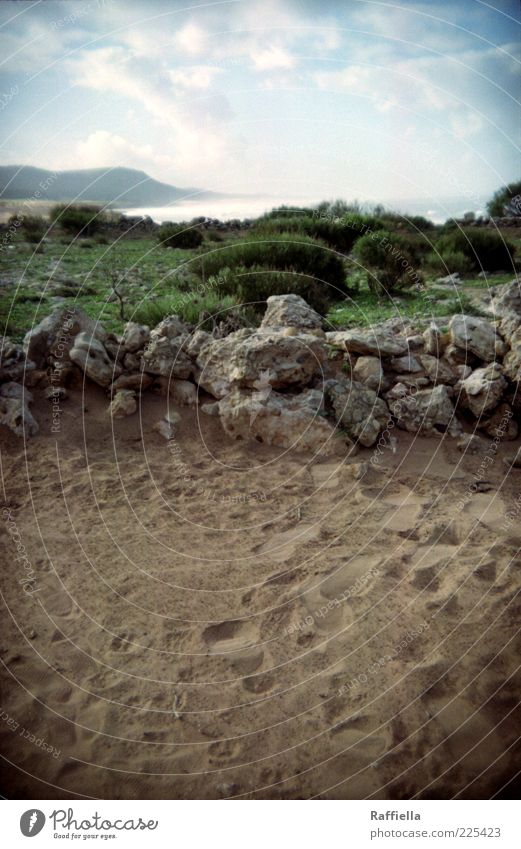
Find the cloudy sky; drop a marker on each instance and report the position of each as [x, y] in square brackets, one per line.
[304, 98]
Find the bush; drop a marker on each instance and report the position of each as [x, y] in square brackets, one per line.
[32, 227]
[503, 202]
[83, 220]
[449, 262]
[190, 308]
[389, 260]
[334, 233]
[180, 235]
[293, 261]
[253, 286]
[485, 249]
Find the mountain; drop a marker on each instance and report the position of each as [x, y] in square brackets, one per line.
[120, 187]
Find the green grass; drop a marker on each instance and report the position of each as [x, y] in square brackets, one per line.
[365, 309]
[30, 282]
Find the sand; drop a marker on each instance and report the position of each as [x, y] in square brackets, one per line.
[210, 619]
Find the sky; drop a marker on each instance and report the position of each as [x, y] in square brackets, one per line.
[316, 99]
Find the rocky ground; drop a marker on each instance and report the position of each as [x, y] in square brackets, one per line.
[276, 562]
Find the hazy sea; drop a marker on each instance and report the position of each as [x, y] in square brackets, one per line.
[226, 208]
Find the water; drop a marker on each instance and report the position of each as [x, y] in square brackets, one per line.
[437, 210]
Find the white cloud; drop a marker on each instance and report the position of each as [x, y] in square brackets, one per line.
[266, 59]
[196, 77]
[102, 148]
[191, 39]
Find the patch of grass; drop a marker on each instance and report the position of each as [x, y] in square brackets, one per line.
[367, 310]
[189, 307]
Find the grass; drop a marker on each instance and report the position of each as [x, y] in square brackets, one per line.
[33, 283]
[156, 282]
[365, 309]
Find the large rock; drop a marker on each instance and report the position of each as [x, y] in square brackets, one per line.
[14, 410]
[369, 371]
[90, 355]
[469, 333]
[432, 338]
[172, 327]
[55, 334]
[501, 423]
[379, 342]
[166, 356]
[482, 390]
[286, 421]
[13, 363]
[259, 360]
[123, 404]
[135, 337]
[512, 360]
[437, 370]
[290, 311]
[427, 412]
[358, 410]
[507, 305]
[406, 364]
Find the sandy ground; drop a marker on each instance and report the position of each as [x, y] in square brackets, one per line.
[209, 619]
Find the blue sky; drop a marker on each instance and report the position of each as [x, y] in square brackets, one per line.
[338, 98]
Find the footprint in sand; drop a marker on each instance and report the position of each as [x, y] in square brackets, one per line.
[354, 577]
[428, 563]
[236, 638]
[405, 507]
[281, 546]
[326, 475]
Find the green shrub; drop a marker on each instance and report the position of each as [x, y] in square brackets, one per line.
[485, 249]
[180, 235]
[32, 227]
[253, 286]
[189, 307]
[334, 233]
[315, 269]
[449, 262]
[80, 220]
[503, 202]
[389, 261]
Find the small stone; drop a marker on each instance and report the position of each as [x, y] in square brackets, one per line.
[123, 404]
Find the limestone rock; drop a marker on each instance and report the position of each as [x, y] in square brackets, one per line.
[507, 304]
[428, 412]
[501, 423]
[285, 421]
[183, 392]
[14, 410]
[197, 342]
[469, 333]
[123, 404]
[432, 341]
[55, 334]
[290, 311]
[165, 355]
[379, 342]
[358, 410]
[437, 370]
[138, 381]
[135, 337]
[407, 363]
[90, 355]
[259, 360]
[470, 443]
[512, 360]
[369, 371]
[483, 389]
[171, 327]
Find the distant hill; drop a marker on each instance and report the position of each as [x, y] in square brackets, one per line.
[120, 187]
